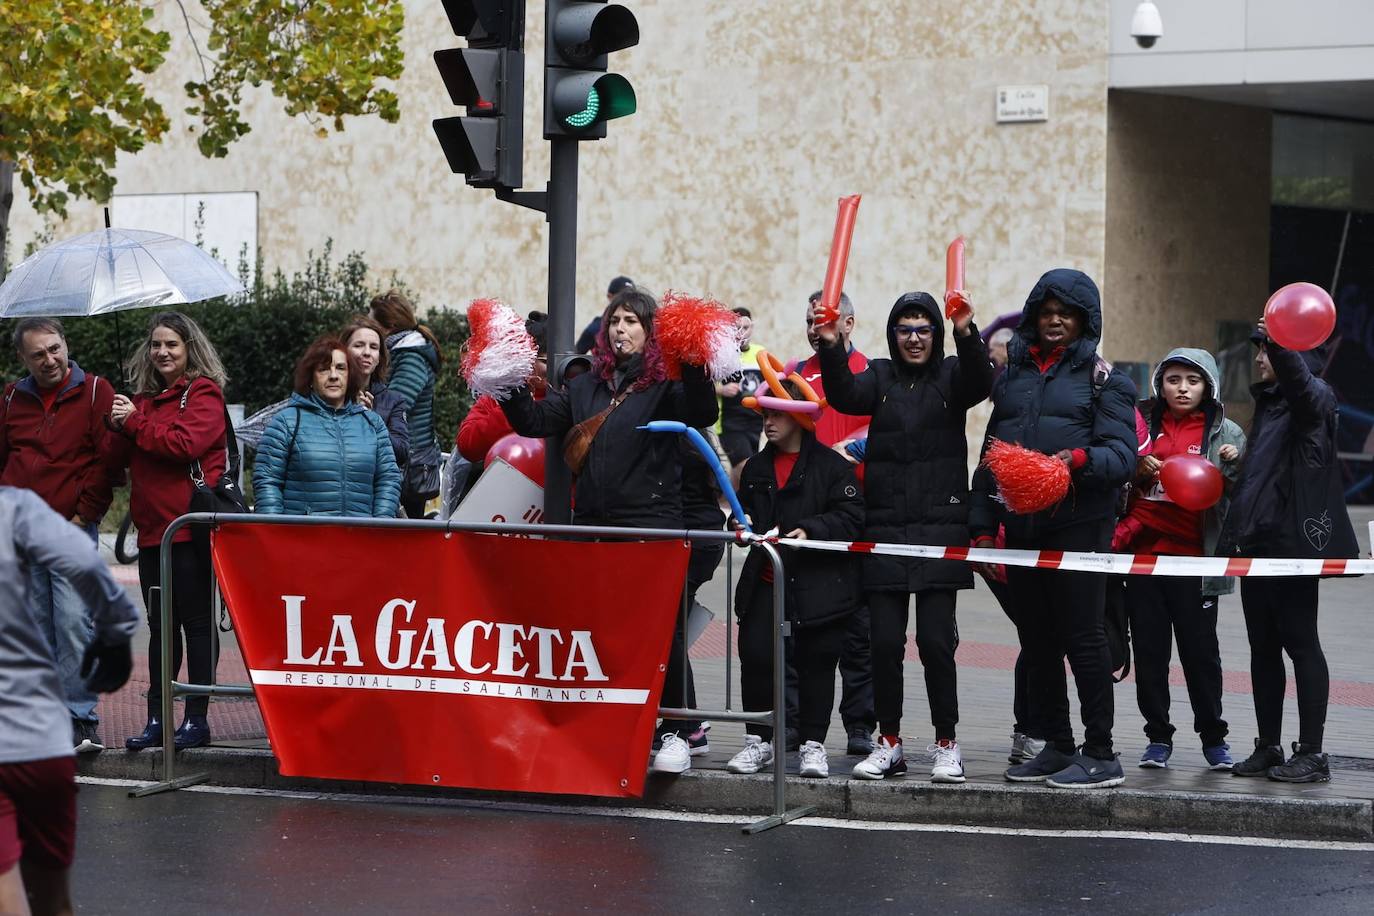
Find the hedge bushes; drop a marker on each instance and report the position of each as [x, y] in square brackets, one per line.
[260, 334]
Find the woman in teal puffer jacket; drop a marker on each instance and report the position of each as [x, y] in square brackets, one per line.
[325, 454]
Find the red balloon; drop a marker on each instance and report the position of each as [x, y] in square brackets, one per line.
[1300, 316]
[525, 455]
[1191, 481]
[860, 433]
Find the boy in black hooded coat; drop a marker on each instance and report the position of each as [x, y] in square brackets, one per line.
[916, 492]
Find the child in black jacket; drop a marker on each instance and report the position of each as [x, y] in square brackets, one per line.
[796, 488]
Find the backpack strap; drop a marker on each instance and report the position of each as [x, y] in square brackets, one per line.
[1102, 372]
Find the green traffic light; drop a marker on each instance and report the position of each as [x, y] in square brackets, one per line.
[588, 115]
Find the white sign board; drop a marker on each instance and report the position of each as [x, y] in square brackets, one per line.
[502, 496]
[1022, 103]
[224, 224]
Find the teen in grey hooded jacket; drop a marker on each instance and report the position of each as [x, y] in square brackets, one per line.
[1161, 609]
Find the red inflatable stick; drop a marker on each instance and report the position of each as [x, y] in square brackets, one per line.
[1028, 481]
[1300, 316]
[954, 278]
[839, 259]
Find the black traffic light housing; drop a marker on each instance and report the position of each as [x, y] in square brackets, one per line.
[579, 95]
[564, 367]
[488, 78]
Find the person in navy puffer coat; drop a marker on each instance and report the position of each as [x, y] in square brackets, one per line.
[325, 454]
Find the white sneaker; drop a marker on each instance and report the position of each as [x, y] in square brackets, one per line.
[949, 763]
[813, 760]
[886, 760]
[673, 757]
[756, 755]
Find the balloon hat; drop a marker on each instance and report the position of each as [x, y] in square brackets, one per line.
[774, 373]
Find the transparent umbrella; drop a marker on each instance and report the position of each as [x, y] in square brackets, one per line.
[111, 270]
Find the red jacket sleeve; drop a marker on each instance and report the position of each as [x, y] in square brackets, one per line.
[190, 433]
[98, 482]
[480, 429]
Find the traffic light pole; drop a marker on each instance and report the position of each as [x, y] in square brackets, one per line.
[562, 217]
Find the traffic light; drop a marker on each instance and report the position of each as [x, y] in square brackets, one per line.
[579, 95]
[564, 367]
[488, 78]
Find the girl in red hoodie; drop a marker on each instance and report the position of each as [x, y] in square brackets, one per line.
[1185, 418]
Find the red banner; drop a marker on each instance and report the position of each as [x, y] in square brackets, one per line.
[470, 660]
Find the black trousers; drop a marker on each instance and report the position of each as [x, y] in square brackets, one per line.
[812, 651]
[1162, 610]
[856, 673]
[937, 636]
[1020, 714]
[1281, 616]
[190, 618]
[1060, 614]
[679, 687]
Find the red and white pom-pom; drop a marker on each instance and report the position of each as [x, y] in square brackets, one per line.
[1029, 481]
[697, 332]
[500, 353]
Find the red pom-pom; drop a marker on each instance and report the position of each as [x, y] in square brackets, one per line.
[500, 354]
[697, 332]
[1029, 481]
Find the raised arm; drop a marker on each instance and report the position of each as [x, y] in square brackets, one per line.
[973, 376]
[856, 395]
[539, 419]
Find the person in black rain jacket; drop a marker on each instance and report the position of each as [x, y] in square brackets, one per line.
[916, 492]
[1288, 502]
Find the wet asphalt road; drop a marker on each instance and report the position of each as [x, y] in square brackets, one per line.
[204, 853]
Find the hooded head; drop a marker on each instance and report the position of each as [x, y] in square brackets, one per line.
[1197, 360]
[1316, 358]
[909, 306]
[1074, 289]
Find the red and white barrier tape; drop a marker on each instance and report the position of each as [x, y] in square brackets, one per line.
[1118, 563]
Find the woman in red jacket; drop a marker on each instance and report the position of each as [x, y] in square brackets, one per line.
[174, 423]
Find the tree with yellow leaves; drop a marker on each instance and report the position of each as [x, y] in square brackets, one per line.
[72, 96]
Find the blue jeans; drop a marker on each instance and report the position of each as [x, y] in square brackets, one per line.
[66, 622]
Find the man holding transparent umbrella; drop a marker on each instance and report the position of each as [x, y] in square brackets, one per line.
[50, 427]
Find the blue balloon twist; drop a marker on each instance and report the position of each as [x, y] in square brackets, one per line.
[712, 461]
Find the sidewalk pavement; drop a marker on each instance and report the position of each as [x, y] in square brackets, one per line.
[1184, 798]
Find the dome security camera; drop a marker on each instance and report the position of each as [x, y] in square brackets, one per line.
[1146, 26]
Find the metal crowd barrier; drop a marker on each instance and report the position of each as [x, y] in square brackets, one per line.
[776, 717]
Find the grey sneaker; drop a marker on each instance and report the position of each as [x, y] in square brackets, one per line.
[1045, 764]
[85, 739]
[1024, 748]
[1085, 772]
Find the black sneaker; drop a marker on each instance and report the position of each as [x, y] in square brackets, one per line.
[84, 737]
[1265, 758]
[860, 741]
[1085, 772]
[1041, 767]
[1306, 765]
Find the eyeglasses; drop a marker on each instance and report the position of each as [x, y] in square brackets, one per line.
[906, 331]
